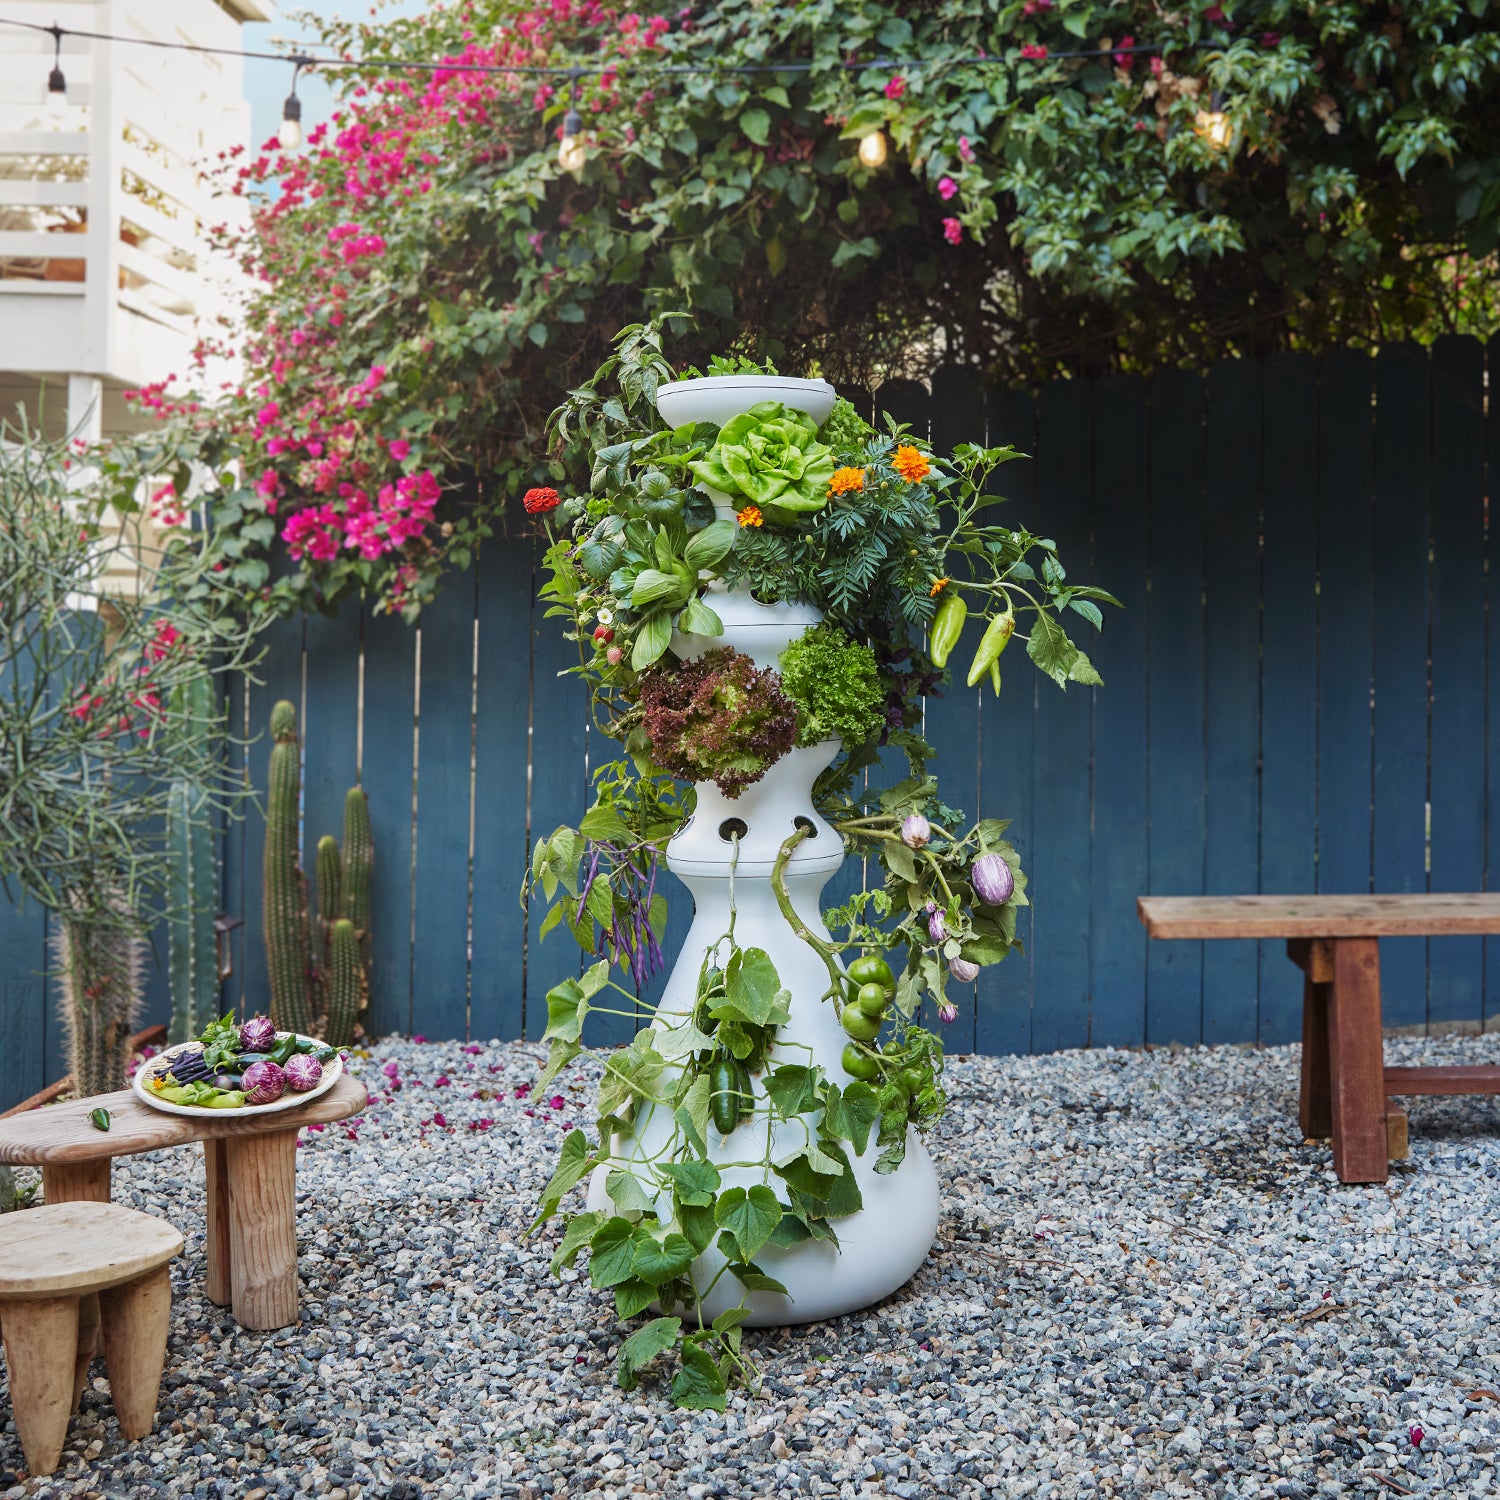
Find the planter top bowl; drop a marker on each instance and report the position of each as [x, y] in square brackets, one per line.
[717, 398]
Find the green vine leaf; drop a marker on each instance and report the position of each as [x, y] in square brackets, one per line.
[627, 1192]
[753, 990]
[633, 1297]
[692, 1114]
[642, 1347]
[792, 1088]
[753, 1279]
[699, 1386]
[850, 1114]
[696, 1182]
[579, 1232]
[612, 1252]
[750, 1216]
[573, 1161]
[659, 1260]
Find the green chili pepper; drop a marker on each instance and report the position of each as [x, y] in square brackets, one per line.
[99, 1118]
[994, 640]
[947, 626]
[995, 677]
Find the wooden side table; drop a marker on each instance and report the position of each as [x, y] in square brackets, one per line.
[1335, 941]
[68, 1270]
[250, 1162]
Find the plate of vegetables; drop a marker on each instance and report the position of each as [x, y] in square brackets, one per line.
[245, 1066]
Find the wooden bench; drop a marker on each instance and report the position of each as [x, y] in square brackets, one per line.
[1335, 941]
[250, 1161]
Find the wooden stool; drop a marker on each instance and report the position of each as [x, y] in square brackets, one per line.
[251, 1166]
[67, 1271]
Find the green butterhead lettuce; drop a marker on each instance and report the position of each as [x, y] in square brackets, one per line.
[770, 456]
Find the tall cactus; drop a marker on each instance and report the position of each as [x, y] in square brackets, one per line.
[193, 891]
[293, 978]
[318, 960]
[98, 967]
[344, 982]
[359, 865]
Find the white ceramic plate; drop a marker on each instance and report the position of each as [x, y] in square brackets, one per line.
[333, 1070]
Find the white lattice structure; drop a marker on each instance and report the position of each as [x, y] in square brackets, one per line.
[106, 276]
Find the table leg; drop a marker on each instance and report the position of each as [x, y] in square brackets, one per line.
[217, 1281]
[136, 1316]
[262, 1175]
[1356, 1064]
[76, 1182]
[41, 1382]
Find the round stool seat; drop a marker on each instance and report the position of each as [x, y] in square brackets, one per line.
[67, 1249]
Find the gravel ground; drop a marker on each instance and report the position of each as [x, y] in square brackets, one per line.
[1146, 1284]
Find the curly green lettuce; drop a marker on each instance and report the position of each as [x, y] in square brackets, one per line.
[836, 686]
[770, 456]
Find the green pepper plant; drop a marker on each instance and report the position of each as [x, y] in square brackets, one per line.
[897, 548]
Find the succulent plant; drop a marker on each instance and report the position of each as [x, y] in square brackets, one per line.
[99, 973]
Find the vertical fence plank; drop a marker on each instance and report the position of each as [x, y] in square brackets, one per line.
[952, 721]
[1003, 1006]
[390, 647]
[1119, 869]
[560, 787]
[1174, 997]
[1289, 670]
[1492, 688]
[440, 893]
[1062, 768]
[501, 737]
[330, 725]
[1401, 594]
[1345, 622]
[1232, 685]
[1455, 984]
[23, 998]
[280, 673]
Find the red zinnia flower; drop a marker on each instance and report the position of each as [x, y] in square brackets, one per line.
[538, 501]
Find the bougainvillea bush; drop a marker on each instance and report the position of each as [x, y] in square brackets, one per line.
[432, 280]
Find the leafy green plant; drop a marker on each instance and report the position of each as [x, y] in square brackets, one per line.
[771, 458]
[835, 683]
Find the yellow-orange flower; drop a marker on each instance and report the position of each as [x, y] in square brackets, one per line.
[750, 516]
[845, 480]
[938, 585]
[910, 464]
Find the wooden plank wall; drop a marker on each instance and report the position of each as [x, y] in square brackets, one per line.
[1299, 697]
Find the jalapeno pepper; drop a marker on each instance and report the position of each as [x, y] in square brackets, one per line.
[994, 640]
[99, 1118]
[947, 626]
[995, 677]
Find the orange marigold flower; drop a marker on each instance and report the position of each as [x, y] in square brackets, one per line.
[750, 516]
[910, 464]
[938, 585]
[845, 480]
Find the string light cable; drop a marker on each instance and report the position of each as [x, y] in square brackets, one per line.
[1213, 125]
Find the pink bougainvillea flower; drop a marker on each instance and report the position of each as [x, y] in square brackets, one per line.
[896, 87]
[1416, 1435]
[473, 1049]
[1124, 59]
[391, 1069]
[400, 449]
[953, 231]
[965, 150]
[947, 187]
[167, 635]
[1033, 52]
[440, 1120]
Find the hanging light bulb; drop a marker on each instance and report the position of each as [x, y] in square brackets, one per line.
[873, 149]
[290, 134]
[1213, 124]
[57, 85]
[570, 150]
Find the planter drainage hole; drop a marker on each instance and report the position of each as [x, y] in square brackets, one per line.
[808, 824]
[733, 828]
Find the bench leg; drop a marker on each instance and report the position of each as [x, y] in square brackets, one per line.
[262, 1175]
[135, 1318]
[1356, 1062]
[1315, 1108]
[76, 1182]
[38, 1336]
[217, 1282]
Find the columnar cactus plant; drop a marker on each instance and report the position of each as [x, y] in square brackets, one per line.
[319, 973]
[98, 967]
[294, 980]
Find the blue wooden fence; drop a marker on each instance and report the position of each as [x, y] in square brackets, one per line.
[1298, 698]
